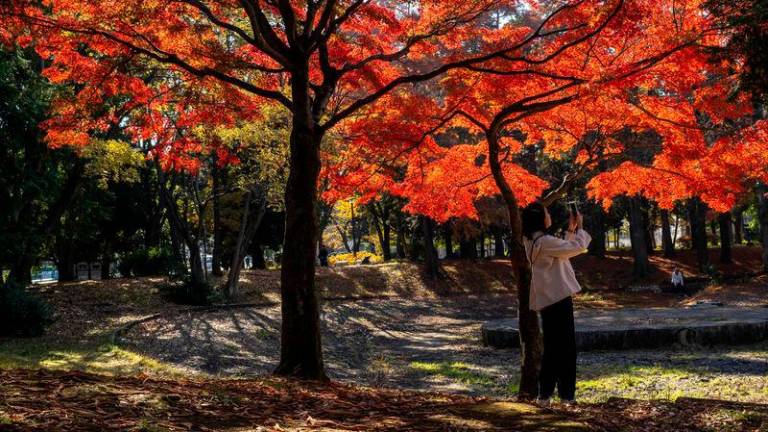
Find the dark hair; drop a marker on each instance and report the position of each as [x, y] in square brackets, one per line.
[533, 219]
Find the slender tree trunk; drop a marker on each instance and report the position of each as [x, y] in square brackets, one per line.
[217, 257]
[385, 247]
[381, 224]
[301, 352]
[697, 215]
[498, 243]
[106, 261]
[667, 244]
[249, 224]
[726, 237]
[762, 214]
[430, 253]
[448, 239]
[637, 233]
[530, 333]
[400, 237]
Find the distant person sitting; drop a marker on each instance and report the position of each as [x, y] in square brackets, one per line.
[323, 256]
[677, 279]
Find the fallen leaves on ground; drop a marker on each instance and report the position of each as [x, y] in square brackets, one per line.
[75, 401]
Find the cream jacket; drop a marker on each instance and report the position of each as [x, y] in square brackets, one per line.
[553, 278]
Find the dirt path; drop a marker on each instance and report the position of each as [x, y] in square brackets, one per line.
[434, 345]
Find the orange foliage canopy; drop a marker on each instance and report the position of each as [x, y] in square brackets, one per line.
[412, 90]
[608, 72]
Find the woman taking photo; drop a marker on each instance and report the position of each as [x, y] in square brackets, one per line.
[553, 282]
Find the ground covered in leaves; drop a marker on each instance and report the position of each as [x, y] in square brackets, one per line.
[76, 401]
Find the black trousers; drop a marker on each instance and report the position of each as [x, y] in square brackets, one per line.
[558, 366]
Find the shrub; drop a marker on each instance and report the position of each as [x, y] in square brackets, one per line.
[146, 262]
[352, 258]
[189, 292]
[21, 313]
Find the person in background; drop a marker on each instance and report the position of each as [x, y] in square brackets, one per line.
[322, 255]
[677, 279]
[553, 282]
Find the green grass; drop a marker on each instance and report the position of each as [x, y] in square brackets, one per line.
[458, 371]
[94, 357]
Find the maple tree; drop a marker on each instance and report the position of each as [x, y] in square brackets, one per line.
[615, 67]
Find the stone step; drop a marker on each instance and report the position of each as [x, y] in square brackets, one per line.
[625, 329]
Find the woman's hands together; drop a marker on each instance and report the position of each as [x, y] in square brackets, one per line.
[575, 222]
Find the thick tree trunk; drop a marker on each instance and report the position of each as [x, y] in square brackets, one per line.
[301, 352]
[257, 253]
[530, 333]
[498, 243]
[667, 245]
[596, 227]
[468, 248]
[430, 253]
[196, 270]
[738, 226]
[637, 233]
[697, 215]
[65, 260]
[726, 237]
[762, 214]
[21, 271]
[648, 226]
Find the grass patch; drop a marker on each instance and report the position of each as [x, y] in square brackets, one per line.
[458, 371]
[101, 358]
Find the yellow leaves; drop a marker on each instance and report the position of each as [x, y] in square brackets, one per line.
[112, 160]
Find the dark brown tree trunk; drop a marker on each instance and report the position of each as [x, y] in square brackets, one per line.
[596, 227]
[762, 215]
[106, 261]
[217, 255]
[430, 253]
[726, 237]
[258, 257]
[667, 244]
[301, 352]
[498, 243]
[738, 226]
[528, 320]
[249, 224]
[381, 224]
[648, 226]
[468, 248]
[400, 238]
[697, 214]
[21, 271]
[482, 244]
[448, 239]
[637, 233]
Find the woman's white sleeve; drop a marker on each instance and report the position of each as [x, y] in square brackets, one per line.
[572, 245]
